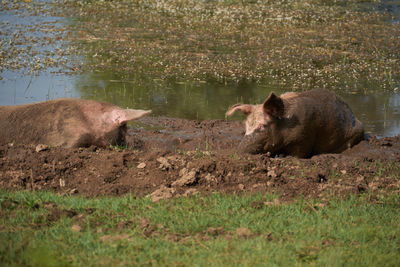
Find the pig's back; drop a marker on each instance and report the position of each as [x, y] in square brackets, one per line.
[336, 128]
[36, 123]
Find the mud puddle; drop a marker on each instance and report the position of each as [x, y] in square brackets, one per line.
[182, 158]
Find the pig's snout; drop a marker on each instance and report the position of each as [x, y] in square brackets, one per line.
[252, 143]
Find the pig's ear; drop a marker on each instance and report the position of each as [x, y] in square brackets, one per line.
[246, 109]
[274, 106]
[125, 115]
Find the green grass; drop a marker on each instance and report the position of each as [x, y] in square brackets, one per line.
[135, 231]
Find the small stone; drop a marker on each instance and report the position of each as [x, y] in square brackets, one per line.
[162, 193]
[80, 216]
[275, 202]
[141, 165]
[172, 158]
[373, 185]
[164, 164]
[243, 232]
[41, 147]
[214, 231]
[73, 191]
[271, 174]
[144, 223]
[183, 172]
[76, 228]
[209, 177]
[187, 179]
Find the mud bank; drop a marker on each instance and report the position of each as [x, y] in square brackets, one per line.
[169, 157]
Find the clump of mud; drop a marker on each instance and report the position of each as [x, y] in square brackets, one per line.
[169, 158]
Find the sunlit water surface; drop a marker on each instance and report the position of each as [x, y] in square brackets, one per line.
[379, 112]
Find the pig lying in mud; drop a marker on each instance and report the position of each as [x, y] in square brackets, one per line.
[299, 124]
[66, 122]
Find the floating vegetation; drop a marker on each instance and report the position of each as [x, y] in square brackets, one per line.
[299, 44]
[31, 44]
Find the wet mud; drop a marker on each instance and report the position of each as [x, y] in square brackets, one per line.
[167, 158]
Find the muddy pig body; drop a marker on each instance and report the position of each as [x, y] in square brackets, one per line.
[66, 122]
[299, 124]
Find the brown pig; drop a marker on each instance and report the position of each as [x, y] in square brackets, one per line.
[299, 124]
[66, 122]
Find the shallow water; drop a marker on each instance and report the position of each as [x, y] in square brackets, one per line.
[391, 7]
[379, 111]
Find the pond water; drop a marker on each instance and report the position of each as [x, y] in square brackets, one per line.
[392, 7]
[379, 111]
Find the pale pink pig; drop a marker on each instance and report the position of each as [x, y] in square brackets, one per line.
[66, 122]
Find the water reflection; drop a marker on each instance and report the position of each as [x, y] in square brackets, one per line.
[392, 7]
[17, 89]
[185, 100]
[379, 112]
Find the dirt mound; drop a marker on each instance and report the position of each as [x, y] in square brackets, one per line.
[173, 157]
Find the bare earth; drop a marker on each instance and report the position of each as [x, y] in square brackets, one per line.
[173, 157]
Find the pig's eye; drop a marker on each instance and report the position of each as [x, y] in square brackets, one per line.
[261, 127]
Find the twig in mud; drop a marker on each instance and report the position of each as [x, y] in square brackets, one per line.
[311, 207]
[202, 245]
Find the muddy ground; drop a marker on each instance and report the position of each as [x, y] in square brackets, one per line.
[172, 157]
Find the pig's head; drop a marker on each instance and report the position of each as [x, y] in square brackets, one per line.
[262, 124]
[119, 118]
[109, 126]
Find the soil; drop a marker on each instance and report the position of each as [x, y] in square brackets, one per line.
[168, 158]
